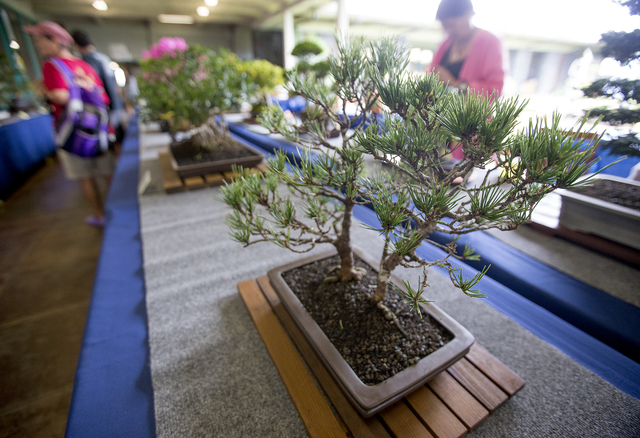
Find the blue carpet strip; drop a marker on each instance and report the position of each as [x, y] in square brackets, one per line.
[112, 394]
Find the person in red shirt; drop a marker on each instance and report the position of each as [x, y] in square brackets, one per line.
[52, 40]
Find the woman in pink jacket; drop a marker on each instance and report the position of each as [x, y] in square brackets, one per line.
[470, 58]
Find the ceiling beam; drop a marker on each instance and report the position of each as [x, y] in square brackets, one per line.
[296, 7]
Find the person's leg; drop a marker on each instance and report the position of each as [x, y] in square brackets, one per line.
[92, 194]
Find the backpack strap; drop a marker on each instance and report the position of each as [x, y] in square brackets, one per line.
[74, 105]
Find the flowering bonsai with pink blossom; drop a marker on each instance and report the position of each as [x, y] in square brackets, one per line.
[189, 86]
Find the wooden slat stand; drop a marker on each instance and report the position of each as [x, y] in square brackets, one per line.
[448, 406]
[173, 183]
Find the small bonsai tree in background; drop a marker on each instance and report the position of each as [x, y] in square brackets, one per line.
[624, 47]
[417, 196]
[190, 86]
[263, 77]
[306, 51]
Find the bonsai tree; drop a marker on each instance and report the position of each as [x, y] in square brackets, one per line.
[263, 77]
[624, 47]
[416, 196]
[190, 86]
[305, 51]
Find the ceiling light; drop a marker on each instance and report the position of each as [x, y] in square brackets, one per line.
[203, 11]
[211, 2]
[14, 45]
[175, 19]
[100, 5]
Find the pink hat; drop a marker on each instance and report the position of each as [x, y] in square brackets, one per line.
[51, 30]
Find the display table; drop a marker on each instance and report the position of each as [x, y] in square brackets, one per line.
[165, 309]
[23, 144]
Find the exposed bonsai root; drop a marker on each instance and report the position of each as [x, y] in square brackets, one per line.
[355, 274]
[390, 316]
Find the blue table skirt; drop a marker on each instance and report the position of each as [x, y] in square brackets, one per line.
[23, 144]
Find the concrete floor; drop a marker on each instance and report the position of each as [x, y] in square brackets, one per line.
[48, 258]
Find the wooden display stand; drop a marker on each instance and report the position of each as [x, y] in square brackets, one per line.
[173, 183]
[448, 406]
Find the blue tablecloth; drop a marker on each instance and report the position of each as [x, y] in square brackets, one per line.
[295, 104]
[621, 169]
[23, 144]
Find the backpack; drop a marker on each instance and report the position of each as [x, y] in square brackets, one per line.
[83, 127]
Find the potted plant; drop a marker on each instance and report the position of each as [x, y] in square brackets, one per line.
[609, 208]
[379, 336]
[263, 78]
[191, 87]
[16, 90]
[306, 51]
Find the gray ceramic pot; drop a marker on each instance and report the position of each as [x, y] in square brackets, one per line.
[371, 399]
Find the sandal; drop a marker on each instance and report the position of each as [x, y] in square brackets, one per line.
[96, 221]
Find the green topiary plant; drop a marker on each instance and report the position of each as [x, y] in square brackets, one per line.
[416, 196]
[263, 77]
[305, 51]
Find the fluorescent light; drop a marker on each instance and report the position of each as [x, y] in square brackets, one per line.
[175, 19]
[211, 2]
[99, 5]
[14, 45]
[203, 11]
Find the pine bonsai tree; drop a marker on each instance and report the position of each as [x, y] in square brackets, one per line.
[624, 47]
[305, 51]
[417, 196]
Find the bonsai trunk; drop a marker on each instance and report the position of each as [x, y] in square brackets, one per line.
[386, 268]
[347, 270]
[391, 261]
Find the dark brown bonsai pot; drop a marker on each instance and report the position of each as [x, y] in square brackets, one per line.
[186, 163]
[370, 399]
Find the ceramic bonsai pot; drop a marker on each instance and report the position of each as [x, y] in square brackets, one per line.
[367, 399]
[587, 214]
[253, 158]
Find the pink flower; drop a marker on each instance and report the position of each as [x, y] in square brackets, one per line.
[166, 44]
[155, 52]
[168, 71]
[146, 54]
[180, 44]
[146, 75]
[198, 76]
[201, 58]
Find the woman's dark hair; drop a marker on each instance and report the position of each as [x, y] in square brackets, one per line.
[453, 8]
